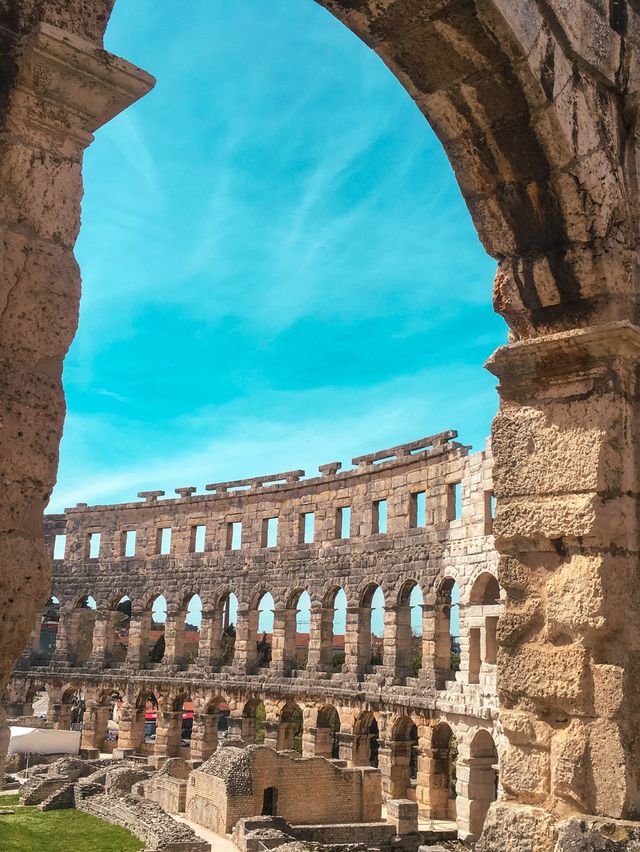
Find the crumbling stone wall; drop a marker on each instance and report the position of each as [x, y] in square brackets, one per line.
[231, 784]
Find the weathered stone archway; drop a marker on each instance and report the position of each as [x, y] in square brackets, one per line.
[536, 106]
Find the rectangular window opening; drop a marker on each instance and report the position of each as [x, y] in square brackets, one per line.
[164, 540]
[454, 501]
[307, 527]
[59, 546]
[198, 535]
[418, 510]
[489, 511]
[379, 519]
[270, 532]
[129, 543]
[94, 545]
[234, 535]
[344, 522]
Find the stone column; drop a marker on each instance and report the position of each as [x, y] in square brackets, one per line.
[397, 641]
[351, 644]
[103, 637]
[139, 633]
[95, 723]
[244, 657]
[346, 747]
[174, 629]
[204, 738]
[320, 742]
[364, 640]
[286, 736]
[209, 649]
[566, 469]
[271, 733]
[168, 733]
[321, 640]
[62, 654]
[238, 729]
[428, 676]
[131, 727]
[283, 647]
[59, 86]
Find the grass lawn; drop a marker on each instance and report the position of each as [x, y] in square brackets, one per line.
[30, 830]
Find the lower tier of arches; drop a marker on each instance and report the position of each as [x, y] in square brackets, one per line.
[446, 762]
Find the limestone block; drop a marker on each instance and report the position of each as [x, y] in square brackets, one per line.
[525, 773]
[554, 679]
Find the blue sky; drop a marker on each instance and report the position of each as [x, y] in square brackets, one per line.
[278, 267]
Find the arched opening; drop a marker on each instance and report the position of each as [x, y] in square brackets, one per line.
[333, 625]
[366, 743]
[290, 729]
[191, 629]
[264, 630]
[229, 619]
[481, 623]
[208, 728]
[37, 702]
[181, 727]
[81, 629]
[370, 629]
[447, 629]
[483, 780]
[72, 708]
[46, 644]
[118, 639]
[403, 759]
[443, 778]
[408, 643]
[327, 741]
[146, 723]
[107, 721]
[157, 626]
[302, 630]
[254, 715]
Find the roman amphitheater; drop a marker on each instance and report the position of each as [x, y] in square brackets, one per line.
[536, 105]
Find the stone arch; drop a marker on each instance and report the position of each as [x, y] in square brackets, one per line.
[155, 621]
[515, 128]
[447, 648]
[407, 642]
[71, 707]
[442, 772]
[297, 629]
[371, 628]
[399, 760]
[326, 739]
[226, 615]
[366, 739]
[480, 85]
[254, 716]
[117, 640]
[48, 637]
[480, 771]
[290, 728]
[481, 615]
[261, 624]
[332, 629]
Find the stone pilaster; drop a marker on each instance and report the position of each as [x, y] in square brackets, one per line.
[565, 445]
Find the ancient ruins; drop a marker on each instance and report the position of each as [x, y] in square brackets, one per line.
[536, 105]
[413, 522]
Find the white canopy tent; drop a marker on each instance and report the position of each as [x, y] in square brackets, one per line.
[43, 741]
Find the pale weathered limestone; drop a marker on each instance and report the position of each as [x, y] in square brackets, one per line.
[536, 105]
[429, 549]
